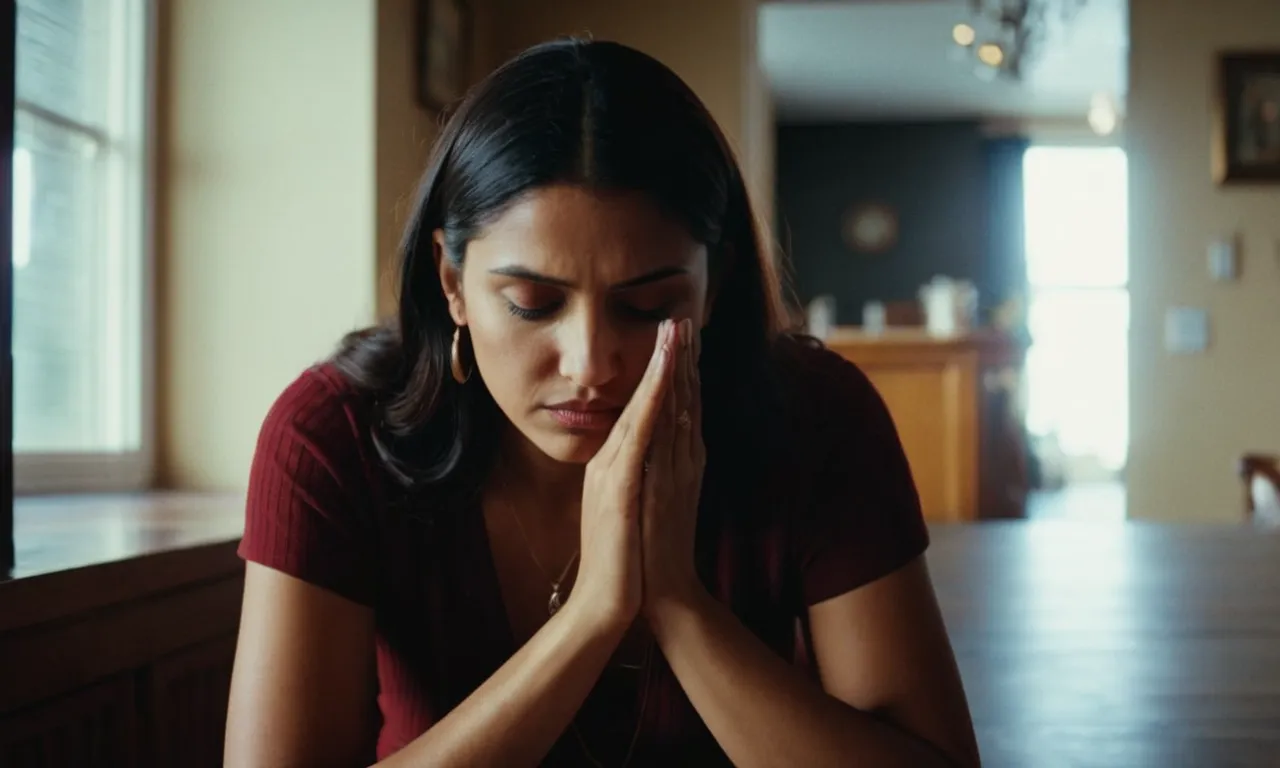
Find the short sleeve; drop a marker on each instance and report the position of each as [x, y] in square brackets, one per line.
[307, 512]
[864, 521]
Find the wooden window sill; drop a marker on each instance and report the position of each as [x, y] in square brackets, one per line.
[77, 553]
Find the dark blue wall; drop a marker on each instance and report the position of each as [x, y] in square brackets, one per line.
[936, 175]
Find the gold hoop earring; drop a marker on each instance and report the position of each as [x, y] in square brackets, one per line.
[461, 374]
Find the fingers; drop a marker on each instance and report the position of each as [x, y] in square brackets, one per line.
[660, 451]
[682, 392]
[635, 426]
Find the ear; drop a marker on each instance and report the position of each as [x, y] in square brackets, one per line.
[450, 279]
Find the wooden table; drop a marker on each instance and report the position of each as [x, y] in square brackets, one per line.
[1126, 645]
[1082, 645]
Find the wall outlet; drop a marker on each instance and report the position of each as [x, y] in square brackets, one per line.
[1186, 330]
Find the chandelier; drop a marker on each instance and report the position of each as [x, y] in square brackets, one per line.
[1005, 35]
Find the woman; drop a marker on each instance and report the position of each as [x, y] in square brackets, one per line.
[584, 503]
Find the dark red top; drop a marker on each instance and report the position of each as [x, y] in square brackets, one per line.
[840, 510]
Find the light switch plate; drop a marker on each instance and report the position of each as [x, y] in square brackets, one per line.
[1224, 259]
[1186, 330]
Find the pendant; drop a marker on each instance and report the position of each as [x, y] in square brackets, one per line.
[555, 602]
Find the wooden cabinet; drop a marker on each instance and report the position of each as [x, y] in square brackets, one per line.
[127, 662]
[188, 713]
[127, 685]
[936, 390]
[94, 726]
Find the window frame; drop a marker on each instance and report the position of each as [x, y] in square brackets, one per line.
[108, 471]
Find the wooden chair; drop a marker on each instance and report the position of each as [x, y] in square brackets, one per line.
[1261, 476]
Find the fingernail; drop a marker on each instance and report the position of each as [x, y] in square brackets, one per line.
[659, 342]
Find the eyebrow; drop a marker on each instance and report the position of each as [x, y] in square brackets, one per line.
[520, 273]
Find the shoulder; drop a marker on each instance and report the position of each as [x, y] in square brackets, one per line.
[311, 507]
[319, 401]
[322, 415]
[821, 390]
[860, 517]
[318, 391]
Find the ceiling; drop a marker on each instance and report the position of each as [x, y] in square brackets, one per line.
[877, 59]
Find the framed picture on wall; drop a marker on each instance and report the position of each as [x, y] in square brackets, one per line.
[443, 54]
[871, 228]
[1247, 118]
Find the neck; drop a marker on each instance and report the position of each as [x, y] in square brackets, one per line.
[547, 486]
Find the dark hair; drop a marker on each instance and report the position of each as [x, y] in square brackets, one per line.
[598, 114]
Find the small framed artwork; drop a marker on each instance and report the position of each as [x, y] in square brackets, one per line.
[1247, 120]
[443, 53]
[870, 228]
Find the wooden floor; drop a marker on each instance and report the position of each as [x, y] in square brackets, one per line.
[1126, 645]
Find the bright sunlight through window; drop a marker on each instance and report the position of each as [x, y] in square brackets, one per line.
[79, 245]
[1077, 235]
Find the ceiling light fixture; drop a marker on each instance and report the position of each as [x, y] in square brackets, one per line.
[991, 54]
[1011, 31]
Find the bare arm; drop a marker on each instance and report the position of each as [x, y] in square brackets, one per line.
[302, 691]
[892, 694]
[303, 688]
[516, 716]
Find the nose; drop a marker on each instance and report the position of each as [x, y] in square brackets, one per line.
[590, 355]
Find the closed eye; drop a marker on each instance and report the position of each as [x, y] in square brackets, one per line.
[628, 311]
[648, 315]
[532, 313]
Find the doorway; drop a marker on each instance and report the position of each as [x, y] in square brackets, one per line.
[1076, 201]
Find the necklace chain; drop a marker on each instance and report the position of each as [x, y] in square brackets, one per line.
[553, 605]
[556, 600]
[635, 735]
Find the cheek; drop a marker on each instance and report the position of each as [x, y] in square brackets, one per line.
[503, 348]
[514, 358]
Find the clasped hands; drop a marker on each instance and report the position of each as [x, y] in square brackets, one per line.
[641, 490]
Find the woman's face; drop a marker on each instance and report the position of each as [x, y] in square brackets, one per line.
[562, 296]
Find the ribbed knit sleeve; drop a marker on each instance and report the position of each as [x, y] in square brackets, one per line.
[309, 508]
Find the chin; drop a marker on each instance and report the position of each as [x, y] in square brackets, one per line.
[570, 448]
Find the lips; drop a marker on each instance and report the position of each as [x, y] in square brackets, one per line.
[585, 416]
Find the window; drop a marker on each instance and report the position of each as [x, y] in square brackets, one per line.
[1077, 241]
[80, 247]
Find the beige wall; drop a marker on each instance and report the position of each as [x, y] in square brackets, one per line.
[709, 43]
[405, 129]
[1192, 416]
[405, 132]
[291, 143]
[761, 126]
[267, 236]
